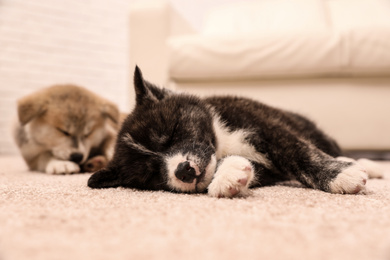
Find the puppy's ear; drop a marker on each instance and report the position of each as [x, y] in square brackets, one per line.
[147, 92]
[104, 178]
[111, 111]
[30, 107]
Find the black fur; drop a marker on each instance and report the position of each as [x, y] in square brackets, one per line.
[163, 123]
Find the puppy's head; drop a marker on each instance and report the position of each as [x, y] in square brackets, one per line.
[166, 143]
[67, 120]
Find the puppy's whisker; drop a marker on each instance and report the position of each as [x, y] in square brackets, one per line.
[207, 149]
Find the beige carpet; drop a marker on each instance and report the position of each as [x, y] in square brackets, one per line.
[59, 217]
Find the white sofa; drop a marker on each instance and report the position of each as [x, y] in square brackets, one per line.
[327, 59]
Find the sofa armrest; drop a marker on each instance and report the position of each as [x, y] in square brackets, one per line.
[151, 24]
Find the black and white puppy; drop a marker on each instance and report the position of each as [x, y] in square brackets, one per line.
[223, 145]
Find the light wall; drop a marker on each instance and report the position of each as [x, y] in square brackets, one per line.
[45, 42]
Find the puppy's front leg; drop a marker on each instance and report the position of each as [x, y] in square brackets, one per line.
[232, 178]
[95, 163]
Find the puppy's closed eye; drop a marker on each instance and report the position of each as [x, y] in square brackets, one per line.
[63, 132]
[169, 140]
[88, 134]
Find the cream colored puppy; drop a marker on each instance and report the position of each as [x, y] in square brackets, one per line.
[66, 129]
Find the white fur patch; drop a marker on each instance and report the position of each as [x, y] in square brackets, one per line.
[233, 143]
[209, 174]
[110, 152]
[232, 178]
[372, 168]
[173, 161]
[345, 159]
[61, 167]
[350, 181]
[176, 184]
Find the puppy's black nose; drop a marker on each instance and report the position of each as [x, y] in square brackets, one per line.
[185, 172]
[76, 157]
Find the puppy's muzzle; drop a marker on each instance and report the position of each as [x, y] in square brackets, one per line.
[76, 157]
[185, 172]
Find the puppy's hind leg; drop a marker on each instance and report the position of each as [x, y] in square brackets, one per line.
[332, 175]
[314, 168]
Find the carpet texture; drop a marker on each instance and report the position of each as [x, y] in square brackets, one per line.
[59, 217]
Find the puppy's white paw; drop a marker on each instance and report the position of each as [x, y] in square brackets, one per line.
[232, 178]
[62, 167]
[350, 181]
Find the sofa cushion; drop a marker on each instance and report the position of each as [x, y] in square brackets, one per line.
[267, 16]
[304, 38]
[251, 57]
[365, 26]
[369, 51]
[358, 14]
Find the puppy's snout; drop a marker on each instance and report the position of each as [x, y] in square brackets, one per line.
[185, 172]
[76, 157]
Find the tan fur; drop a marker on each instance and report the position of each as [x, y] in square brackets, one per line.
[61, 120]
